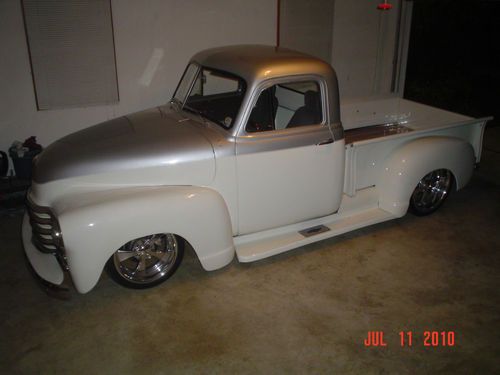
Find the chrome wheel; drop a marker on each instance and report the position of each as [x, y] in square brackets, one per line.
[431, 192]
[146, 261]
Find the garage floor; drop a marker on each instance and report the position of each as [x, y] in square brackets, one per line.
[305, 311]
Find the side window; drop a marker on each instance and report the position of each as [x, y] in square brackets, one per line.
[286, 105]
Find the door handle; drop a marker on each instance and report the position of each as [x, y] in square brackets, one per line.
[325, 142]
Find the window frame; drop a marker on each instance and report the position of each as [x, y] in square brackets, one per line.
[198, 68]
[284, 80]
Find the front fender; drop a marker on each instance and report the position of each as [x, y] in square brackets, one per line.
[408, 164]
[98, 224]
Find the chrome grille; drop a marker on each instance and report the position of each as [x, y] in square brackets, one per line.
[47, 236]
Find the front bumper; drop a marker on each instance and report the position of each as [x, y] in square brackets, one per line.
[44, 267]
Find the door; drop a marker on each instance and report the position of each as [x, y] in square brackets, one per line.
[289, 169]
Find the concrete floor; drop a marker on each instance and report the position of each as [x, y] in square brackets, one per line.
[306, 311]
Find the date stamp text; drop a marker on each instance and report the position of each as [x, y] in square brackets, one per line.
[409, 339]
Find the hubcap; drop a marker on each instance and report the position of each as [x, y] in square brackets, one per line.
[146, 259]
[432, 190]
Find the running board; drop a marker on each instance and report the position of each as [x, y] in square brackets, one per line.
[256, 246]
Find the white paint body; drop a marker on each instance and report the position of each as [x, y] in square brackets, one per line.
[282, 183]
[256, 212]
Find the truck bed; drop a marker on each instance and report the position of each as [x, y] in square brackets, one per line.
[364, 112]
[374, 127]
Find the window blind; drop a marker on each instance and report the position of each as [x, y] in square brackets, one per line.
[72, 53]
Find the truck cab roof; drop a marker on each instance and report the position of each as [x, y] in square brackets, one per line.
[258, 63]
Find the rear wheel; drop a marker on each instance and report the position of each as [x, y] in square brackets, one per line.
[147, 261]
[431, 192]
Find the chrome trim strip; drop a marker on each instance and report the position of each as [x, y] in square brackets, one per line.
[42, 242]
[43, 229]
[375, 131]
[40, 230]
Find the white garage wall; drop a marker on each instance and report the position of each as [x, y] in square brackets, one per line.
[364, 46]
[153, 39]
[306, 25]
[360, 41]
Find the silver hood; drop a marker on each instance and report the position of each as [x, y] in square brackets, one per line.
[140, 141]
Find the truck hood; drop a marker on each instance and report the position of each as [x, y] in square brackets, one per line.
[152, 140]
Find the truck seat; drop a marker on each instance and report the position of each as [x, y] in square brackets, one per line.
[308, 114]
[264, 112]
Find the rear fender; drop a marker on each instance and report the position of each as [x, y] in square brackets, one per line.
[98, 224]
[408, 164]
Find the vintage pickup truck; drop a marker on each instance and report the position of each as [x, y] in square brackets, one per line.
[249, 158]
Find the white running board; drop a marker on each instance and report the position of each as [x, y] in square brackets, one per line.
[256, 246]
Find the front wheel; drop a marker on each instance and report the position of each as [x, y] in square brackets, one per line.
[431, 192]
[147, 261]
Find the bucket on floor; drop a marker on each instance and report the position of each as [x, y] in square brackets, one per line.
[4, 164]
[23, 165]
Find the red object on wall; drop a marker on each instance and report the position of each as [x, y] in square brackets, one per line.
[384, 6]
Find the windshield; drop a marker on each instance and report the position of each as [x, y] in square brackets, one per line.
[215, 95]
